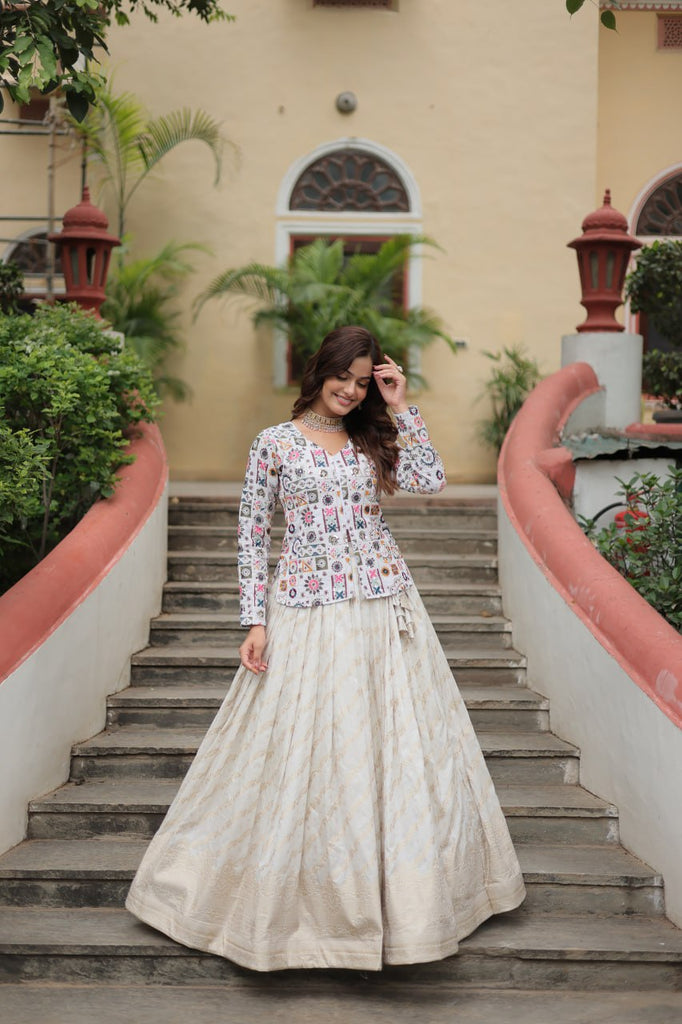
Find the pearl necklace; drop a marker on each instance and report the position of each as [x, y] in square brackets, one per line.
[327, 424]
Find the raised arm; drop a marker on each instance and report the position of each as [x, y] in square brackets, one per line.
[419, 468]
[256, 510]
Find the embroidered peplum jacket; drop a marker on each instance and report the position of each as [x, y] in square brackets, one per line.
[335, 534]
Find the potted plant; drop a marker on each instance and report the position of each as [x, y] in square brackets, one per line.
[654, 288]
[321, 288]
[512, 378]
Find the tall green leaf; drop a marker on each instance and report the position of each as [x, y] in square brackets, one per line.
[140, 303]
[321, 289]
[128, 144]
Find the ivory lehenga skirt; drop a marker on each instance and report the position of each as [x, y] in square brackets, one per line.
[339, 812]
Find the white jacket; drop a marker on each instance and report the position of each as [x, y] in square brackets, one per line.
[334, 523]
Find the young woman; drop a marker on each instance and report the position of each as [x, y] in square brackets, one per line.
[339, 812]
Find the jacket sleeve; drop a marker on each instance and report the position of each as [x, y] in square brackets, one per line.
[419, 468]
[256, 509]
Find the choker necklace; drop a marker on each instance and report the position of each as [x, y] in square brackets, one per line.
[327, 424]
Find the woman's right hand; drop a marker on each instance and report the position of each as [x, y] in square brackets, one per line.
[251, 651]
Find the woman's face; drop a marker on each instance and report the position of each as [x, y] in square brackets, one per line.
[340, 395]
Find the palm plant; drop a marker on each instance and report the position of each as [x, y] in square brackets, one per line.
[512, 378]
[139, 304]
[321, 288]
[128, 144]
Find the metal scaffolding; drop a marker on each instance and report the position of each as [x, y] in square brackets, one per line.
[51, 128]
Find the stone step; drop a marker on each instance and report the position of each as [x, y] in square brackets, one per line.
[264, 999]
[129, 806]
[401, 514]
[425, 568]
[98, 872]
[588, 880]
[411, 539]
[206, 665]
[222, 628]
[512, 756]
[494, 707]
[516, 950]
[449, 599]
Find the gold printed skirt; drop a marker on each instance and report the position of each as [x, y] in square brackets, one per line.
[339, 812]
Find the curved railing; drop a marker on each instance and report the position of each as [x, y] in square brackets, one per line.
[68, 628]
[35, 606]
[534, 476]
[610, 665]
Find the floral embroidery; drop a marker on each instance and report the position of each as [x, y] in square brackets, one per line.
[333, 518]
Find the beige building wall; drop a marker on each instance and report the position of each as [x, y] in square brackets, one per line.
[25, 160]
[639, 123]
[491, 107]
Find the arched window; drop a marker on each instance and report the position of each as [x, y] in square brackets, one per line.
[661, 213]
[350, 179]
[354, 190]
[30, 252]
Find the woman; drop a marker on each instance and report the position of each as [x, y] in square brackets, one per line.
[339, 812]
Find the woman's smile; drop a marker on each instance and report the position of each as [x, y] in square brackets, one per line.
[339, 395]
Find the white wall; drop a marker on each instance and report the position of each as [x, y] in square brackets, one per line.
[58, 695]
[616, 358]
[596, 483]
[631, 753]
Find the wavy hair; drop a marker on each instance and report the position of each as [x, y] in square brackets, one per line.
[370, 427]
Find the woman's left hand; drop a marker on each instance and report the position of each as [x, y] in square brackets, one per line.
[392, 384]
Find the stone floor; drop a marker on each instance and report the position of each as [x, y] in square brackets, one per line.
[354, 1003]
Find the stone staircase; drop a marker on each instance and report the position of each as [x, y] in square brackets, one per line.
[593, 922]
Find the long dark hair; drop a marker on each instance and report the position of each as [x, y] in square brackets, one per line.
[370, 427]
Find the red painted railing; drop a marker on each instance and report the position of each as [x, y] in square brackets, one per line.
[32, 609]
[534, 476]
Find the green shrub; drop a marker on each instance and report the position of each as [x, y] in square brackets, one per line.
[23, 465]
[662, 377]
[648, 551]
[68, 394]
[654, 287]
[11, 286]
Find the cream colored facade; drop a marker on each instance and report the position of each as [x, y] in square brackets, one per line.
[640, 138]
[507, 120]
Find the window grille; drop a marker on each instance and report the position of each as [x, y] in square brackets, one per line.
[386, 5]
[662, 212]
[30, 254]
[669, 32]
[349, 179]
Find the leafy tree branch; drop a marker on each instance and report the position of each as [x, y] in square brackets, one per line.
[45, 44]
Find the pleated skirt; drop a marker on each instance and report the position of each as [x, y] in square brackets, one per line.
[339, 812]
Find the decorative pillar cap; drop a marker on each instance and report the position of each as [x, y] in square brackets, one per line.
[605, 217]
[85, 220]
